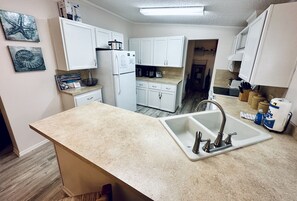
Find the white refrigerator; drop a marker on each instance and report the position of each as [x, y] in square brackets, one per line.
[116, 73]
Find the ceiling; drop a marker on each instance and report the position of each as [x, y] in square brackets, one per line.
[217, 12]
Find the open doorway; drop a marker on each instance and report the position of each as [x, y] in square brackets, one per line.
[5, 141]
[199, 69]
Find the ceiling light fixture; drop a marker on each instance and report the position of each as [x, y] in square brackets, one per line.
[197, 10]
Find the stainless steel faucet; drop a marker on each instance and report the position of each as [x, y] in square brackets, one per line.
[219, 140]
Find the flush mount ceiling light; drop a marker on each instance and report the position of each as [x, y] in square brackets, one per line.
[197, 10]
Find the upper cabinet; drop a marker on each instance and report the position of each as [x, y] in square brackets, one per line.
[270, 51]
[102, 38]
[160, 51]
[74, 44]
[143, 48]
[104, 35]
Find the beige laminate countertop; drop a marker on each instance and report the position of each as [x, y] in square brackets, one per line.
[81, 90]
[163, 80]
[138, 150]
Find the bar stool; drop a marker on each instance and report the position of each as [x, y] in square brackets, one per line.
[104, 195]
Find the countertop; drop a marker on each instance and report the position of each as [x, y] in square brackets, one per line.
[140, 152]
[81, 90]
[163, 80]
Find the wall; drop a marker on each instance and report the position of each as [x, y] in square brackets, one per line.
[28, 97]
[291, 95]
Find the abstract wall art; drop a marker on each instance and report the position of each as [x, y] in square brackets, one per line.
[26, 58]
[19, 27]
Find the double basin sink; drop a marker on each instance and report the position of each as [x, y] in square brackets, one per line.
[183, 129]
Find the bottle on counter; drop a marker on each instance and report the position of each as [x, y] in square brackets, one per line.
[259, 117]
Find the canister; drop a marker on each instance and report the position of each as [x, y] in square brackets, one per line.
[264, 105]
[251, 95]
[256, 100]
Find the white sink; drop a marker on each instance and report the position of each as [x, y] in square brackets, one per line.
[183, 128]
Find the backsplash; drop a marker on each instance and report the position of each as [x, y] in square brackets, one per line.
[222, 77]
[273, 92]
[171, 72]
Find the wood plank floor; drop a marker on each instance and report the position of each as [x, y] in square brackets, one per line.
[36, 175]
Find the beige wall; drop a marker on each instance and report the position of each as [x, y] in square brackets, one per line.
[29, 96]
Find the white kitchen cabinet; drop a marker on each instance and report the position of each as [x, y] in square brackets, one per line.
[102, 38]
[143, 48]
[74, 44]
[70, 101]
[141, 93]
[168, 51]
[162, 96]
[270, 55]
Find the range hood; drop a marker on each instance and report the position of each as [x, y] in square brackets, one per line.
[236, 57]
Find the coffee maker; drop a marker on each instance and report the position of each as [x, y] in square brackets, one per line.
[149, 71]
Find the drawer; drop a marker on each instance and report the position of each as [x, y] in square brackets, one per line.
[141, 84]
[87, 98]
[169, 87]
[153, 85]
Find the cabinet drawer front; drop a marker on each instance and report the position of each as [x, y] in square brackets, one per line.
[154, 85]
[141, 84]
[87, 98]
[169, 87]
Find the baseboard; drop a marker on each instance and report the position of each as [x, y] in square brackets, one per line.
[22, 153]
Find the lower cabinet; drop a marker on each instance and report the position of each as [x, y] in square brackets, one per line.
[141, 93]
[157, 95]
[70, 101]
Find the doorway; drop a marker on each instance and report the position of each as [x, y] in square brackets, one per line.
[199, 69]
[5, 141]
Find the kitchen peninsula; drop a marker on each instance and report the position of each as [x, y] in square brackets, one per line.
[97, 144]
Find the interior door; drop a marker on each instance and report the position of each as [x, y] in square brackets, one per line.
[125, 91]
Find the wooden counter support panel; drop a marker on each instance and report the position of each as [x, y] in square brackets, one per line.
[80, 177]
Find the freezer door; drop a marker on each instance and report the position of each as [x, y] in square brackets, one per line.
[124, 62]
[125, 91]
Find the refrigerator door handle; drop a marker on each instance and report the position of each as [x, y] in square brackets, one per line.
[119, 87]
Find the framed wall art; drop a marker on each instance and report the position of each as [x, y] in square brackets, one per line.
[19, 27]
[26, 58]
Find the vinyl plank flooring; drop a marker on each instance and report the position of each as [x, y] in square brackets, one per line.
[34, 176]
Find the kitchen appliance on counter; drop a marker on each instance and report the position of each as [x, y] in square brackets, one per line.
[278, 115]
[138, 72]
[148, 71]
[159, 74]
[116, 72]
[115, 45]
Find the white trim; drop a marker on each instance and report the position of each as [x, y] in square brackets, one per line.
[24, 152]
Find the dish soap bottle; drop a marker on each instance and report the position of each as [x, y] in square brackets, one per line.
[259, 117]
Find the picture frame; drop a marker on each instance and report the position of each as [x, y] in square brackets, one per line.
[27, 58]
[19, 27]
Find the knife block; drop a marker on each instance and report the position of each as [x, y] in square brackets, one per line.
[244, 96]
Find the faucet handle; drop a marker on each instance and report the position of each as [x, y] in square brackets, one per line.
[198, 137]
[228, 139]
[206, 147]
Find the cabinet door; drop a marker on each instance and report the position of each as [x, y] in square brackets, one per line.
[118, 36]
[175, 51]
[141, 96]
[102, 38]
[134, 45]
[146, 51]
[251, 47]
[160, 51]
[154, 98]
[168, 101]
[80, 44]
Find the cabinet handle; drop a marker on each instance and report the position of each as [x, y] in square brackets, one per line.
[95, 62]
[159, 95]
[90, 98]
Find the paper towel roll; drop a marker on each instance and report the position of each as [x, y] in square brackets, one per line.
[277, 115]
